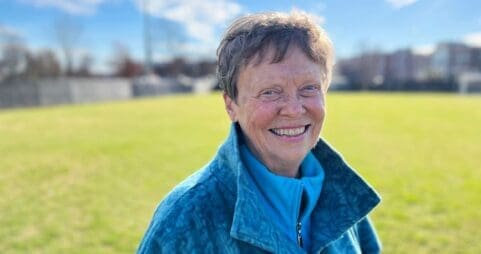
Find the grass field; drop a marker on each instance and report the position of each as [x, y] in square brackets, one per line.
[86, 178]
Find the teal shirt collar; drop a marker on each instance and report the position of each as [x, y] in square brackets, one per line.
[282, 196]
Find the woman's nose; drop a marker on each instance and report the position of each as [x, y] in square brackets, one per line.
[293, 106]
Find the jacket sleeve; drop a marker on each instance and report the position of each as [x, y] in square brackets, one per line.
[154, 245]
[162, 238]
[174, 229]
[149, 245]
[368, 239]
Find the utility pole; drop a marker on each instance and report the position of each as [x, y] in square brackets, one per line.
[147, 39]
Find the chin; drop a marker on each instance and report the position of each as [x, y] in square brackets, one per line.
[292, 156]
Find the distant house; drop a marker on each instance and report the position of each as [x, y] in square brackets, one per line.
[204, 84]
[338, 82]
[152, 85]
[469, 82]
[450, 60]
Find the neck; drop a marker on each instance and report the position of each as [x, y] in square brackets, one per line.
[278, 166]
[282, 168]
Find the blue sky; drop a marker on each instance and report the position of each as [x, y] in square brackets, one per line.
[194, 27]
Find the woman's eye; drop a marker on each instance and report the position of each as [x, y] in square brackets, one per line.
[270, 94]
[310, 90]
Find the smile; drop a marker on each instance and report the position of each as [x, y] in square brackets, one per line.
[291, 132]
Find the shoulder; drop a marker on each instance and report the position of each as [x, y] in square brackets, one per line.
[367, 236]
[191, 213]
[197, 198]
[360, 238]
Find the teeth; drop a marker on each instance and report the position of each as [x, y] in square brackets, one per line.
[289, 132]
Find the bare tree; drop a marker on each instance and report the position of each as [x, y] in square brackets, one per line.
[43, 64]
[67, 33]
[13, 59]
[122, 63]
[85, 65]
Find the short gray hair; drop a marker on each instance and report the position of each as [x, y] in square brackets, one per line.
[250, 36]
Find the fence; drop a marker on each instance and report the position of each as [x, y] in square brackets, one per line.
[24, 93]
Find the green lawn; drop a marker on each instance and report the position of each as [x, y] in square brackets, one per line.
[86, 178]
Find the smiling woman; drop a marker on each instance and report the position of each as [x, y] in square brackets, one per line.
[280, 109]
[273, 186]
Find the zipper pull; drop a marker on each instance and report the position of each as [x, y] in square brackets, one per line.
[299, 234]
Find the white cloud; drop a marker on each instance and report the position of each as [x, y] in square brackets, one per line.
[320, 20]
[427, 49]
[8, 35]
[473, 39]
[398, 4]
[200, 18]
[77, 7]
[7, 31]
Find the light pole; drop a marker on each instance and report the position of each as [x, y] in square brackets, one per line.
[147, 39]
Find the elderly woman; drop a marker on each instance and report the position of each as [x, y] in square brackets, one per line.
[273, 186]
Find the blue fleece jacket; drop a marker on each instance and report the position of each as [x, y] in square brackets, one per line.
[216, 210]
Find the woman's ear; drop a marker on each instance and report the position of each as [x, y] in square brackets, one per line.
[230, 107]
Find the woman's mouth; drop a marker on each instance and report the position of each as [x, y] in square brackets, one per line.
[290, 132]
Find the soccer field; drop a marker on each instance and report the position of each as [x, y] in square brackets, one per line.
[87, 178]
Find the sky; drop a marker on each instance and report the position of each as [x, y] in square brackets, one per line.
[193, 28]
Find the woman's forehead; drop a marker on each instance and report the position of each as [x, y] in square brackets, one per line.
[295, 66]
[272, 54]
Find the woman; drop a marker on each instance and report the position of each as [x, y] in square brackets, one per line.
[273, 186]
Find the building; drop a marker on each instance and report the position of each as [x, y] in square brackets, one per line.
[449, 60]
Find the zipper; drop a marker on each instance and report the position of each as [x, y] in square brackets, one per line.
[299, 219]
[299, 233]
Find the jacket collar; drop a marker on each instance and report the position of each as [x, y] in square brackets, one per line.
[345, 199]
[249, 223]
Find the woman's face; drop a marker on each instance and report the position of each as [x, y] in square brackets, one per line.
[280, 108]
